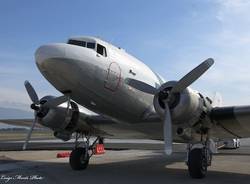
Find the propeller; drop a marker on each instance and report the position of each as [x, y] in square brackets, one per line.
[192, 76]
[141, 86]
[181, 85]
[167, 96]
[30, 132]
[55, 102]
[36, 106]
[31, 92]
[167, 131]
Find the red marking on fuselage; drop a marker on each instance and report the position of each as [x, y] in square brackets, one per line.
[108, 84]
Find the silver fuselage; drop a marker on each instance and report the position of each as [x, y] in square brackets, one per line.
[99, 84]
[96, 82]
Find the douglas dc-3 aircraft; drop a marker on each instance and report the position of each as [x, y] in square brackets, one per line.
[123, 98]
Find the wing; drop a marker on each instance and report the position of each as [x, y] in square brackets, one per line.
[94, 124]
[235, 119]
[20, 122]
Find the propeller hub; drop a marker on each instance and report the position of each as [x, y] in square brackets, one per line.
[34, 107]
[165, 96]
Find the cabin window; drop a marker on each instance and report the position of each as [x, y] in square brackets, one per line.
[91, 45]
[77, 42]
[101, 50]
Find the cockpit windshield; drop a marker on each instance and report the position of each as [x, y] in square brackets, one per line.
[90, 45]
[77, 42]
[100, 49]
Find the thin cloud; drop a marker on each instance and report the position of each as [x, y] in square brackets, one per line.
[231, 40]
[13, 98]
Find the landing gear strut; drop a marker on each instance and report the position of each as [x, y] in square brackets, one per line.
[199, 157]
[80, 155]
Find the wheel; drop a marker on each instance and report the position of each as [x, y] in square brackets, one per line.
[77, 159]
[197, 163]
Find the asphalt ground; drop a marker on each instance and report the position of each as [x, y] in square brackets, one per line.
[124, 162]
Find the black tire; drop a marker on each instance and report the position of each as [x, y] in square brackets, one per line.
[197, 164]
[77, 160]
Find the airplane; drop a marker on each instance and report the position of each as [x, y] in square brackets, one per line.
[108, 93]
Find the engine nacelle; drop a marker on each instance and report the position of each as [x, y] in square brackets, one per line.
[64, 135]
[186, 107]
[61, 120]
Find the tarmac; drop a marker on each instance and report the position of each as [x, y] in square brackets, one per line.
[124, 162]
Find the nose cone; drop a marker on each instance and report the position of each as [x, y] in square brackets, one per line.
[50, 51]
[64, 65]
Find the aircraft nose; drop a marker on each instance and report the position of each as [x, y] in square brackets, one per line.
[46, 52]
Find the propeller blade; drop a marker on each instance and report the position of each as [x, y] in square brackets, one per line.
[192, 76]
[29, 133]
[167, 130]
[141, 86]
[31, 92]
[55, 102]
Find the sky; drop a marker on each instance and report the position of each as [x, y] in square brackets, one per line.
[171, 37]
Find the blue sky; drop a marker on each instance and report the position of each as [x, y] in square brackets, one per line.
[171, 37]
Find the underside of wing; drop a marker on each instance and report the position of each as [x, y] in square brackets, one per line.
[235, 119]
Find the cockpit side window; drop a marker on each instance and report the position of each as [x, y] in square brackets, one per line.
[91, 45]
[101, 50]
[77, 42]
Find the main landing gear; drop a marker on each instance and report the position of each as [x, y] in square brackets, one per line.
[199, 157]
[80, 155]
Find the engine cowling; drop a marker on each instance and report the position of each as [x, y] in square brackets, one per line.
[186, 107]
[61, 120]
